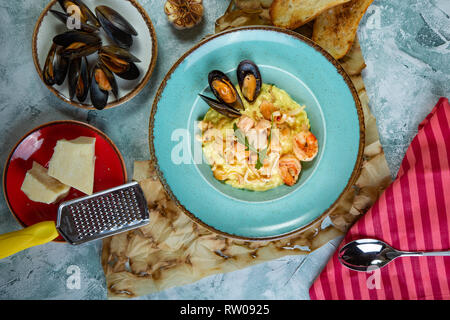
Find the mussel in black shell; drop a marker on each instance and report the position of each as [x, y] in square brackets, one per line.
[224, 90]
[221, 107]
[78, 79]
[77, 6]
[63, 17]
[67, 56]
[48, 72]
[116, 26]
[77, 43]
[249, 79]
[55, 67]
[102, 82]
[119, 61]
[61, 67]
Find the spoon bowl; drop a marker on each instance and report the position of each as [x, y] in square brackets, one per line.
[370, 254]
[366, 254]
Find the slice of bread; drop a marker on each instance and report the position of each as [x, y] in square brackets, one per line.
[292, 14]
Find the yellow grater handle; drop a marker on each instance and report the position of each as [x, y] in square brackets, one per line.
[39, 233]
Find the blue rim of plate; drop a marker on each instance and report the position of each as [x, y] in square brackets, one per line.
[359, 159]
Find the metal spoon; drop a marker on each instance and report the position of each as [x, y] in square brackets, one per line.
[370, 254]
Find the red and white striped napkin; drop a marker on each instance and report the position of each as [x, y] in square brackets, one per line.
[412, 214]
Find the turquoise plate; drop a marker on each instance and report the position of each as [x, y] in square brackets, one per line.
[311, 77]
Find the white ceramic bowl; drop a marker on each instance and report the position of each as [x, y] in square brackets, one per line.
[144, 47]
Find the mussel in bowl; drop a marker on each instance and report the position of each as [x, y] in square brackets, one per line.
[119, 61]
[224, 90]
[61, 67]
[77, 43]
[102, 82]
[55, 66]
[78, 79]
[220, 107]
[249, 79]
[91, 53]
[78, 7]
[48, 71]
[116, 26]
[64, 18]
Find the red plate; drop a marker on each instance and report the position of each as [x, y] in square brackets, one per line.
[37, 145]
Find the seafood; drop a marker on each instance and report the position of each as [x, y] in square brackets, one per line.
[67, 55]
[245, 123]
[290, 168]
[263, 124]
[49, 72]
[305, 146]
[223, 89]
[78, 7]
[116, 26]
[61, 67]
[221, 107]
[55, 67]
[262, 148]
[102, 82]
[78, 79]
[120, 62]
[63, 17]
[249, 78]
[267, 108]
[77, 43]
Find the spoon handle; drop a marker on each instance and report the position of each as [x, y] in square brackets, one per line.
[426, 254]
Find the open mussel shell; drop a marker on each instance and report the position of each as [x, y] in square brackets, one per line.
[61, 66]
[115, 26]
[249, 78]
[55, 66]
[61, 16]
[120, 62]
[102, 82]
[77, 43]
[118, 52]
[116, 19]
[48, 72]
[77, 6]
[221, 107]
[223, 89]
[78, 79]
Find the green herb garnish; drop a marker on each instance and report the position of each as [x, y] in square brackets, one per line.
[242, 139]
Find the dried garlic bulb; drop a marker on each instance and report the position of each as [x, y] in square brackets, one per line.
[184, 14]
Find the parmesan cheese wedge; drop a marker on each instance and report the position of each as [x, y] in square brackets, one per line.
[73, 163]
[40, 187]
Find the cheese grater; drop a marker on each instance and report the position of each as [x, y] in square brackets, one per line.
[103, 214]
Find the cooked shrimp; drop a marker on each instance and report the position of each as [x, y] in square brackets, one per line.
[245, 123]
[305, 146]
[290, 168]
[263, 124]
[267, 108]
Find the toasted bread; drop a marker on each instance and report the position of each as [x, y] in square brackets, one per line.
[335, 29]
[291, 14]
